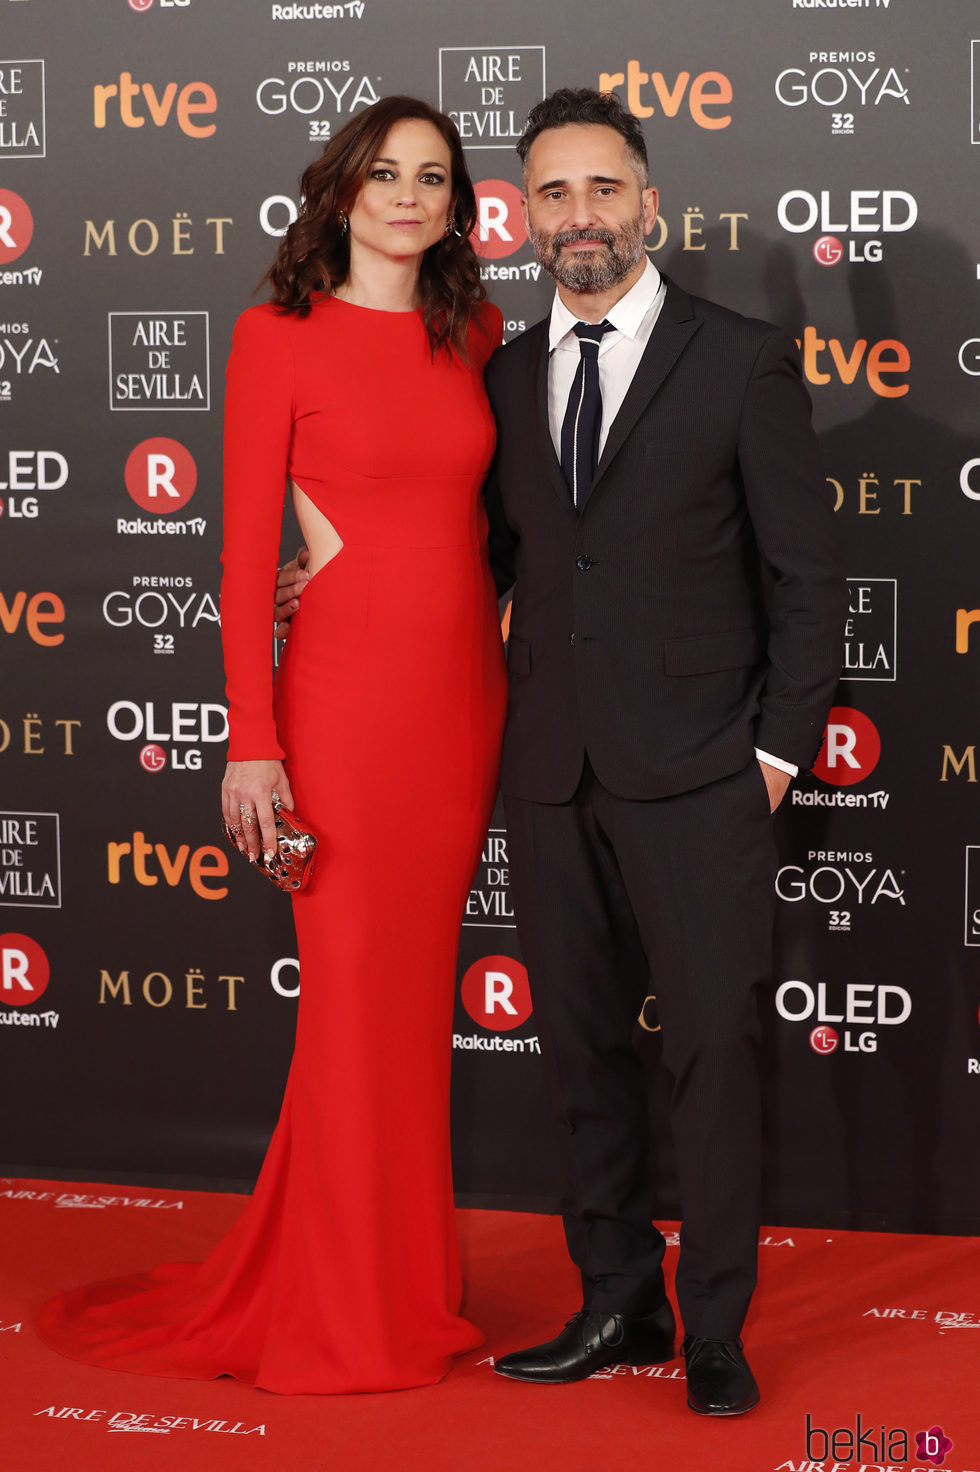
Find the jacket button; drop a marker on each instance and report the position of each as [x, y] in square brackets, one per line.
[582, 562]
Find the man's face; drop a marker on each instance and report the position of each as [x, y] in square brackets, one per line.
[585, 208]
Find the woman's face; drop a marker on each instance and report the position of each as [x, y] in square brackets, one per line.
[405, 201]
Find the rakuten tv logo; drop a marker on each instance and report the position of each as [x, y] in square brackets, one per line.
[850, 750]
[16, 226]
[161, 475]
[496, 994]
[499, 223]
[24, 970]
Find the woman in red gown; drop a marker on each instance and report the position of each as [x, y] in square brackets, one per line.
[361, 388]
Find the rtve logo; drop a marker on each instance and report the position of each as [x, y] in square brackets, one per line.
[16, 226]
[850, 750]
[33, 611]
[965, 619]
[161, 475]
[885, 359]
[708, 90]
[499, 223]
[24, 970]
[191, 99]
[202, 866]
[496, 994]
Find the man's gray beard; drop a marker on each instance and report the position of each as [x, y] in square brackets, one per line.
[601, 269]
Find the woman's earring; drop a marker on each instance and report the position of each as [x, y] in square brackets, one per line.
[344, 223]
[452, 228]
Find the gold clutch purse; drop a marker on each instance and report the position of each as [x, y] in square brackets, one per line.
[291, 866]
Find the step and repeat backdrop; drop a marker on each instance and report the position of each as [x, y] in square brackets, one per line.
[817, 162]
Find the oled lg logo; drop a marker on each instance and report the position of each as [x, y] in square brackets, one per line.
[142, 6]
[186, 724]
[866, 212]
[496, 995]
[859, 1005]
[30, 471]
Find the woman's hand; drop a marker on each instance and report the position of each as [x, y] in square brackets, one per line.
[291, 581]
[246, 804]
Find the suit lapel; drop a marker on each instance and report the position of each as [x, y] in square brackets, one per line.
[546, 448]
[674, 329]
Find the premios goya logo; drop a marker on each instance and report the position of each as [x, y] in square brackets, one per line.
[319, 92]
[166, 604]
[847, 87]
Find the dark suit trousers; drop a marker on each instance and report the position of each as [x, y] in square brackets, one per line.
[618, 900]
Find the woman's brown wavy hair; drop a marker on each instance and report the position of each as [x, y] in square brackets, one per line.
[314, 256]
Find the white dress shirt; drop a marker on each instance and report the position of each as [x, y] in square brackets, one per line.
[633, 319]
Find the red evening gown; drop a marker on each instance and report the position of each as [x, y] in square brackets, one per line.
[342, 1273]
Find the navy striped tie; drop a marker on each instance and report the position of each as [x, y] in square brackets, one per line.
[583, 416]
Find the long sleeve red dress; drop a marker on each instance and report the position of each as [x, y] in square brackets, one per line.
[342, 1273]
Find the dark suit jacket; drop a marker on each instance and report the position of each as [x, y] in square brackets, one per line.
[695, 609]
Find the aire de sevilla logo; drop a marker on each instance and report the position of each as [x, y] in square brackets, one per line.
[161, 475]
[496, 994]
[24, 970]
[16, 226]
[499, 222]
[850, 750]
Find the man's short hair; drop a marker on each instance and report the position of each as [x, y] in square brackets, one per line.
[583, 105]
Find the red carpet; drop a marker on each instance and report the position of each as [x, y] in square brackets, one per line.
[843, 1324]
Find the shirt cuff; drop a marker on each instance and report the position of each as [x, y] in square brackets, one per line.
[778, 763]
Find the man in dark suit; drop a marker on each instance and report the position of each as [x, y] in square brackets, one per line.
[658, 504]
[676, 634]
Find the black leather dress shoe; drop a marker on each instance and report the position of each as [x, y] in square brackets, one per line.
[719, 1381]
[590, 1341]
